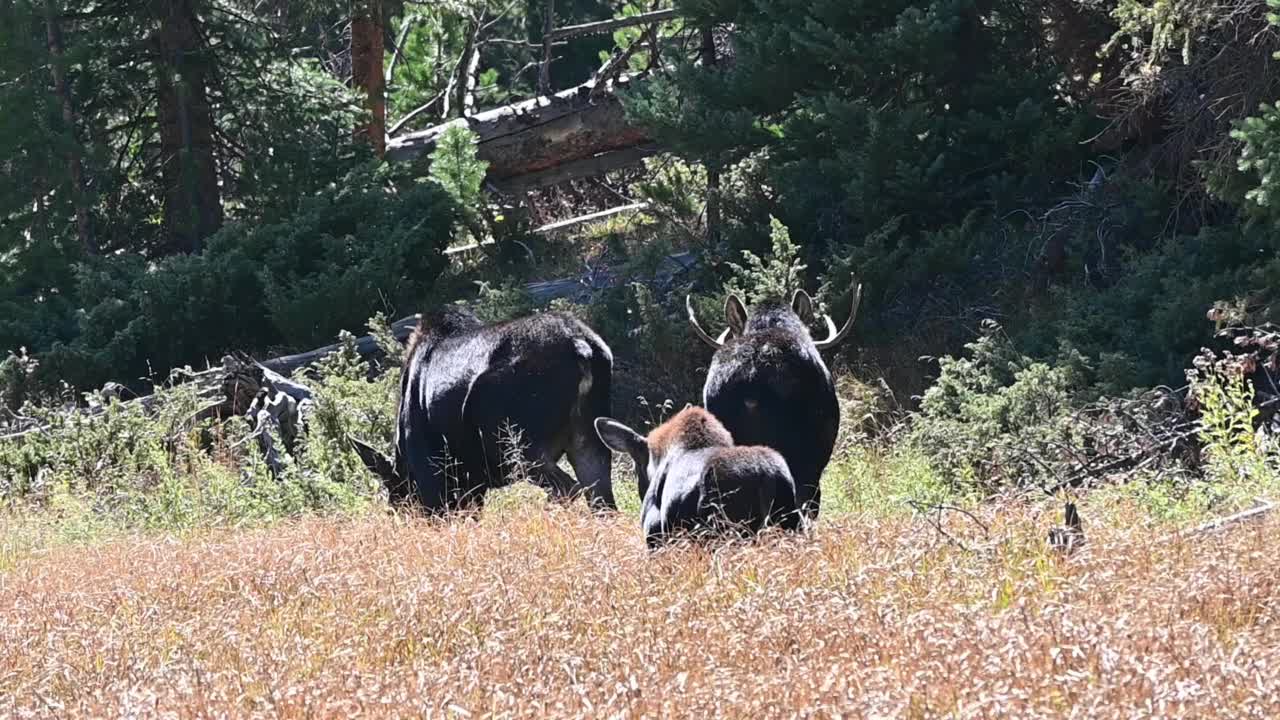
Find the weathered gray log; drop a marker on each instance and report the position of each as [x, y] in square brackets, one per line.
[1264, 508]
[539, 134]
[366, 345]
[273, 413]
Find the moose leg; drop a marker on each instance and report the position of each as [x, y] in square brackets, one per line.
[592, 463]
[808, 491]
[436, 473]
[558, 483]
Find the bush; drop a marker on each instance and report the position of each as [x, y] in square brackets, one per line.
[349, 401]
[1143, 322]
[991, 416]
[373, 242]
[129, 467]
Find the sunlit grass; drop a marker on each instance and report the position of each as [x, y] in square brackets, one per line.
[538, 611]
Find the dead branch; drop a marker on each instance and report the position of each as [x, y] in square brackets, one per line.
[396, 51]
[607, 26]
[1253, 513]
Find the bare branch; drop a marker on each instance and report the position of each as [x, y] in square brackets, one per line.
[604, 26]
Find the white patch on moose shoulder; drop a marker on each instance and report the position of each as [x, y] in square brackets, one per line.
[584, 355]
[751, 404]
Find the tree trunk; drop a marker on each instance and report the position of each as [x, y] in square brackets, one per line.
[544, 68]
[75, 153]
[192, 198]
[468, 66]
[713, 166]
[366, 70]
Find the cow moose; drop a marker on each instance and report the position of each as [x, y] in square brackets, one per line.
[769, 386]
[467, 388]
[694, 481]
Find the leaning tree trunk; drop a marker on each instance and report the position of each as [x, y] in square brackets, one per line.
[545, 140]
[75, 153]
[192, 198]
[366, 71]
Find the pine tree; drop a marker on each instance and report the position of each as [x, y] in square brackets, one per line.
[863, 114]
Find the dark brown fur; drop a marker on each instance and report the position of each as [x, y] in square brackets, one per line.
[465, 386]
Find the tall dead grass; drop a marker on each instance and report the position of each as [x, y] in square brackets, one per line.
[533, 612]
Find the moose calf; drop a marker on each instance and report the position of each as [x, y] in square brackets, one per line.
[694, 480]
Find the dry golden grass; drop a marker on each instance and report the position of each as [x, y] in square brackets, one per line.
[539, 612]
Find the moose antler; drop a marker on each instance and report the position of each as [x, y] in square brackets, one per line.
[834, 337]
[697, 328]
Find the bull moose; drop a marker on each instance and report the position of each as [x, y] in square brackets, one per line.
[769, 386]
[467, 388]
[693, 479]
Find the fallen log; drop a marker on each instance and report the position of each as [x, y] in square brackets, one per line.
[593, 166]
[541, 134]
[366, 345]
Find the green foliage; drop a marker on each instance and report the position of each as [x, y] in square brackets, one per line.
[455, 166]
[624, 38]
[1142, 326]
[1227, 413]
[679, 188]
[892, 146]
[17, 380]
[1155, 29]
[884, 482]
[773, 279]
[380, 330]
[1238, 465]
[161, 468]
[348, 402]
[503, 302]
[373, 241]
[990, 413]
[1259, 138]
[125, 468]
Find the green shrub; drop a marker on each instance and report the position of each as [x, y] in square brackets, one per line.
[883, 481]
[162, 468]
[990, 417]
[348, 403]
[774, 278]
[372, 242]
[1142, 324]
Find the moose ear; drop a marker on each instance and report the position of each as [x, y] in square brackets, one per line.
[735, 314]
[802, 305]
[620, 438]
[377, 463]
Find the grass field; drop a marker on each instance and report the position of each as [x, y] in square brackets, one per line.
[532, 611]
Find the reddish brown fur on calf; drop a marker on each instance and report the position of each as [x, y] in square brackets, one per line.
[691, 429]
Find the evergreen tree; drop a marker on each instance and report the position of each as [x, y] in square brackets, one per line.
[876, 125]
